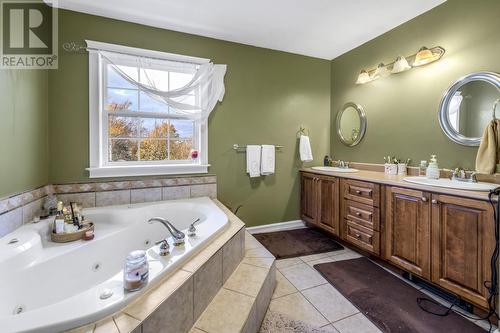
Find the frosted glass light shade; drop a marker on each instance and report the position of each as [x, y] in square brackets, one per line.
[363, 77]
[400, 65]
[381, 71]
[424, 57]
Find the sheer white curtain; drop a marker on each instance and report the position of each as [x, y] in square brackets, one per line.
[196, 99]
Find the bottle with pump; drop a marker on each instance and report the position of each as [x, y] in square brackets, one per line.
[433, 168]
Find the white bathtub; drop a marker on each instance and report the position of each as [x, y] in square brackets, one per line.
[58, 286]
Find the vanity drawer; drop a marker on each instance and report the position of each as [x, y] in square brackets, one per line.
[367, 193]
[364, 215]
[364, 238]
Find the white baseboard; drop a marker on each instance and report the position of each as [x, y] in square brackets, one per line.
[289, 225]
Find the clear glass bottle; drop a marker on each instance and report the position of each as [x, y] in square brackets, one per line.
[136, 271]
[423, 168]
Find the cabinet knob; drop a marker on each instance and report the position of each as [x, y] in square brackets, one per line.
[358, 214]
[424, 199]
[358, 192]
[358, 236]
[434, 201]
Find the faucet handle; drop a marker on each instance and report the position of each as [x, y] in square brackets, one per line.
[164, 247]
[192, 229]
[473, 177]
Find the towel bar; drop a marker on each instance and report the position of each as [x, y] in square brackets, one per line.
[237, 146]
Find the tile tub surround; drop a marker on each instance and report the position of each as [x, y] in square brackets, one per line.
[179, 299]
[241, 304]
[19, 209]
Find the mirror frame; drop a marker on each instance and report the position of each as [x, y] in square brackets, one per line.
[362, 124]
[444, 121]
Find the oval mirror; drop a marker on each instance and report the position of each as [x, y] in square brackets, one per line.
[468, 106]
[351, 124]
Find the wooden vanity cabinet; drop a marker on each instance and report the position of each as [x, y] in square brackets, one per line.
[319, 201]
[447, 240]
[308, 197]
[361, 215]
[407, 230]
[462, 244]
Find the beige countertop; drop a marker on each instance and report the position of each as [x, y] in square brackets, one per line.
[382, 178]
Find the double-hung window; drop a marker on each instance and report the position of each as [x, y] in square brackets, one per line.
[133, 132]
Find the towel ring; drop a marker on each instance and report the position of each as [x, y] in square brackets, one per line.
[303, 131]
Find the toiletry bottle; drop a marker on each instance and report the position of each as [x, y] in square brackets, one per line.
[423, 168]
[433, 168]
[59, 220]
[326, 160]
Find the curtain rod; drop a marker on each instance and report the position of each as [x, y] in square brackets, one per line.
[75, 48]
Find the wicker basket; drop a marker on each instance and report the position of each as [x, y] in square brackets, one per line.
[72, 236]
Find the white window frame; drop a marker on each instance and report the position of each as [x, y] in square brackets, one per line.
[98, 141]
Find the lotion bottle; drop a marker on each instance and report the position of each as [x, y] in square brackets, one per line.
[432, 171]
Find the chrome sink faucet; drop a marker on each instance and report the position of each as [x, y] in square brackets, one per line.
[460, 175]
[343, 164]
[178, 236]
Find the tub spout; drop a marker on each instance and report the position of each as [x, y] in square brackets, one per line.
[177, 235]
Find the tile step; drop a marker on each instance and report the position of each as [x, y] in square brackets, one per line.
[241, 304]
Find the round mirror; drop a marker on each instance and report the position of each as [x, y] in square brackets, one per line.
[351, 124]
[468, 106]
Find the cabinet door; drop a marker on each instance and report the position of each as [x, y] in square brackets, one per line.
[407, 237]
[328, 214]
[309, 197]
[462, 244]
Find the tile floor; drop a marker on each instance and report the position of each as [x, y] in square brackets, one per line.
[303, 294]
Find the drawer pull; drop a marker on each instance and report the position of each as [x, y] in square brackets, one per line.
[434, 201]
[358, 214]
[424, 199]
[358, 192]
[358, 236]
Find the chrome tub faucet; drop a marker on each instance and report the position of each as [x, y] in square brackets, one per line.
[177, 235]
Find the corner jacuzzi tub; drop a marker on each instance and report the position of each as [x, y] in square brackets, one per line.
[50, 287]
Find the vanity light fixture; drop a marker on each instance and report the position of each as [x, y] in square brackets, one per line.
[400, 65]
[424, 56]
[381, 71]
[363, 77]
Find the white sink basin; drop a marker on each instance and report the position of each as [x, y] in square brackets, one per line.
[334, 169]
[454, 184]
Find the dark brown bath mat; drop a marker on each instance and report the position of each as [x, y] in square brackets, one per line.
[390, 303]
[296, 243]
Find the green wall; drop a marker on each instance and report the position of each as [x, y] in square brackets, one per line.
[23, 130]
[402, 109]
[269, 94]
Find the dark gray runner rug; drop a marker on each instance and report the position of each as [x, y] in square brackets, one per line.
[391, 304]
[297, 243]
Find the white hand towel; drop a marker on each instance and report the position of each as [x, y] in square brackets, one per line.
[253, 160]
[267, 161]
[305, 149]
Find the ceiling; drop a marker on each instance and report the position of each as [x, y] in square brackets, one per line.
[317, 28]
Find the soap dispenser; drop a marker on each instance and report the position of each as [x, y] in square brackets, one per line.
[433, 168]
